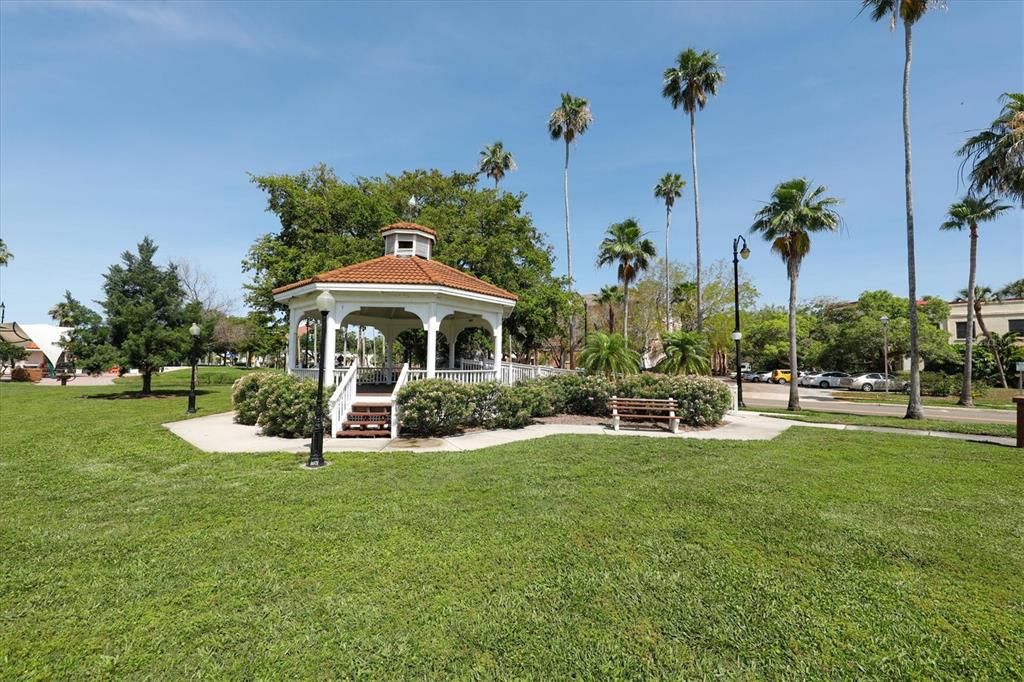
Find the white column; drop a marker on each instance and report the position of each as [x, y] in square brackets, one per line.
[453, 335]
[294, 316]
[329, 348]
[389, 351]
[497, 350]
[432, 343]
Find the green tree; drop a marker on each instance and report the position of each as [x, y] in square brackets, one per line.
[609, 354]
[668, 189]
[909, 12]
[495, 162]
[685, 353]
[569, 120]
[996, 154]
[10, 354]
[628, 248]
[967, 213]
[63, 312]
[1014, 289]
[687, 84]
[145, 307]
[610, 295]
[795, 212]
[982, 296]
[86, 344]
[5, 255]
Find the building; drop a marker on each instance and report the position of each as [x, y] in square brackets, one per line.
[1000, 317]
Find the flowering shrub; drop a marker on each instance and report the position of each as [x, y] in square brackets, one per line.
[586, 394]
[496, 406]
[244, 397]
[435, 407]
[286, 405]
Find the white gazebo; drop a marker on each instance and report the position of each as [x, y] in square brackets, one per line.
[402, 290]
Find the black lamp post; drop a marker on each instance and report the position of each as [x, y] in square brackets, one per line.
[737, 334]
[324, 303]
[194, 330]
[3, 312]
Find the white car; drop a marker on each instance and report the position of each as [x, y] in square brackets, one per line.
[873, 381]
[823, 379]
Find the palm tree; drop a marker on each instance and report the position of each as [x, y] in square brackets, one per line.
[610, 295]
[982, 296]
[795, 212]
[968, 212]
[609, 354]
[5, 255]
[909, 11]
[569, 120]
[626, 246]
[997, 153]
[668, 189]
[685, 353]
[63, 312]
[1014, 289]
[495, 162]
[687, 84]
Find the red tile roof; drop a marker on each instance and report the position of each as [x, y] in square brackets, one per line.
[399, 270]
[409, 226]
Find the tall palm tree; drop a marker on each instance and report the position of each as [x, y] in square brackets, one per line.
[63, 312]
[687, 84]
[997, 153]
[668, 189]
[909, 11]
[627, 247]
[685, 353]
[610, 295]
[5, 255]
[795, 212]
[569, 120]
[968, 212]
[609, 354]
[495, 162]
[1014, 289]
[983, 296]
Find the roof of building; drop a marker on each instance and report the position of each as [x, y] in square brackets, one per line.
[408, 271]
[409, 226]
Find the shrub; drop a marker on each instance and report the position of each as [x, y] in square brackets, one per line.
[939, 384]
[435, 407]
[285, 405]
[21, 374]
[244, 396]
[701, 401]
[575, 393]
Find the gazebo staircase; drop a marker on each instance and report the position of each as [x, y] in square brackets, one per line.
[366, 420]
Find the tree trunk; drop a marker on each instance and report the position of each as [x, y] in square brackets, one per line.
[991, 344]
[794, 395]
[611, 319]
[966, 392]
[625, 311]
[696, 215]
[147, 382]
[668, 271]
[568, 251]
[914, 408]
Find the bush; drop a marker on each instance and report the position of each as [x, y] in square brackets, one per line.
[285, 405]
[701, 400]
[244, 396]
[586, 394]
[21, 374]
[435, 407]
[939, 384]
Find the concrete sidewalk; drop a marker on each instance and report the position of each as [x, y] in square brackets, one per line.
[219, 433]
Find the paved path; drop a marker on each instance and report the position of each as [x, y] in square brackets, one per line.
[219, 433]
[821, 400]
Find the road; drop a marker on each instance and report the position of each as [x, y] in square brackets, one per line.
[771, 395]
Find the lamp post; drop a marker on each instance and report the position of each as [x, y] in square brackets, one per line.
[737, 334]
[324, 303]
[3, 312]
[195, 331]
[885, 349]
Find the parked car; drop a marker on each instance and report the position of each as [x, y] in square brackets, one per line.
[760, 377]
[822, 379]
[781, 376]
[872, 381]
[750, 376]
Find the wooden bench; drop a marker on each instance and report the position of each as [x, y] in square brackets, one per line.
[645, 410]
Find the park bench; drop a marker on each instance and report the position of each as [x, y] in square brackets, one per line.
[645, 410]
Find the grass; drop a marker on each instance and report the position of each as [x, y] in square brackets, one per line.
[970, 428]
[994, 398]
[126, 553]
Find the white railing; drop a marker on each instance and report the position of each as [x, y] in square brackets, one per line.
[343, 398]
[459, 376]
[378, 375]
[305, 372]
[403, 376]
[476, 364]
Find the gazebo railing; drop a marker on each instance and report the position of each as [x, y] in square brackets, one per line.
[459, 376]
[403, 377]
[343, 398]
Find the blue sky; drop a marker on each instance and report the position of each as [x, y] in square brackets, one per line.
[121, 120]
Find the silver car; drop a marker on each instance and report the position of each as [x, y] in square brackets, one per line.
[872, 381]
[823, 379]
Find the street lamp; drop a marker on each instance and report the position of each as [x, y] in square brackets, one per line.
[324, 303]
[3, 312]
[194, 330]
[737, 334]
[885, 349]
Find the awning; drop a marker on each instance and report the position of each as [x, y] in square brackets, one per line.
[46, 336]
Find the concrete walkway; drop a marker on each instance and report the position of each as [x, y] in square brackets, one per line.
[219, 433]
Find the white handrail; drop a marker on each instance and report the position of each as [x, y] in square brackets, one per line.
[403, 376]
[343, 397]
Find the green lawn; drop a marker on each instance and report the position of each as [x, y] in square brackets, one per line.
[971, 428]
[994, 398]
[126, 553]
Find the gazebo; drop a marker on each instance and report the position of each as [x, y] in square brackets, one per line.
[402, 290]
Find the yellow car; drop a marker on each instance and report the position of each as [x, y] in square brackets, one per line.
[781, 376]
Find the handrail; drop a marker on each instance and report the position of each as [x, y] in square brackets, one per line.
[343, 397]
[403, 376]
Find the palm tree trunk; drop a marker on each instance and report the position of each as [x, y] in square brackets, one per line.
[966, 392]
[696, 215]
[794, 395]
[625, 311]
[914, 408]
[991, 344]
[668, 271]
[568, 250]
[611, 319]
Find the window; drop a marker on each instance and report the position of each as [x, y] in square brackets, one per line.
[405, 245]
[1017, 326]
[961, 330]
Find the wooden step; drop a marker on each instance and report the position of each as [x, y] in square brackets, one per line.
[375, 433]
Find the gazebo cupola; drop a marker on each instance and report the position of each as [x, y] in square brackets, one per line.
[408, 240]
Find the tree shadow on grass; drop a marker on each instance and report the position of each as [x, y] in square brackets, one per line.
[155, 394]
